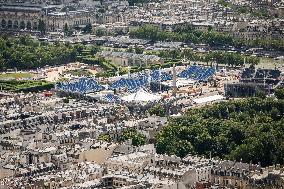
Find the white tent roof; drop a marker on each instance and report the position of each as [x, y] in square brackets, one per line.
[181, 82]
[208, 99]
[141, 96]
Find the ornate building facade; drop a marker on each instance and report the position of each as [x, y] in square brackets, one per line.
[23, 15]
[57, 20]
[20, 16]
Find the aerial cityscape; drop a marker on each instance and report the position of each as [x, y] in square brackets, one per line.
[142, 94]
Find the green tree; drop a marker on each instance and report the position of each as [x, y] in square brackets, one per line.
[137, 138]
[279, 93]
[88, 28]
[104, 137]
[260, 94]
[158, 110]
[247, 130]
[138, 50]
[130, 49]
[66, 30]
[26, 53]
[209, 37]
[2, 63]
[41, 27]
[100, 32]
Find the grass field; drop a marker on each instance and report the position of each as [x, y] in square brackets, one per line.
[25, 85]
[16, 75]
[270, 63]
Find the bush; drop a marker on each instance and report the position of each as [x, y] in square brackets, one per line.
[279, 93]
[157, 110]
[66, 100]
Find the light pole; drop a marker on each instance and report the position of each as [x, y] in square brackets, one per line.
[265, 75]
[129, 68]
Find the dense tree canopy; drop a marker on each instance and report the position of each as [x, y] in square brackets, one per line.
[212, 38]
[25, 53]
[247, 130]
[220, 57]
[279, 93]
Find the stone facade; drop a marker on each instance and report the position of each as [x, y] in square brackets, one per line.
[27, 16]
[16, 17]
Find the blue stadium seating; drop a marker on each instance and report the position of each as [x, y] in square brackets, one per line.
[82, 85]
[248, 73]
[130, 84]
[156, 76]
[140, 79]
[136, 81]
[268, 73]
[111, 98]
[197, 73]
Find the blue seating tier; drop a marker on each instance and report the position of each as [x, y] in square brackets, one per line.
[136, 81]
[197, 73]
[112, 98]
[157, 75]
[82, 85]
[130, 84]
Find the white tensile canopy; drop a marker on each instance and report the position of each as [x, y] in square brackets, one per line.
[141, 96]
[208, 99]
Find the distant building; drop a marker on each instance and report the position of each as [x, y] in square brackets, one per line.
[254, 81]
[27, 17]
[56, 21]
[243, 89]
[271, 177]
[18, 16]
[232, 174]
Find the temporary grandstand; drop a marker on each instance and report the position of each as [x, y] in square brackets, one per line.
[111, 98]
[82, 85]
[158, 75]
[130, 84]
[140, 80]
[153, 80]
[197, 73]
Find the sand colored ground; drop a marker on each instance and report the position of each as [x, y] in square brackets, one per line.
[99, 155]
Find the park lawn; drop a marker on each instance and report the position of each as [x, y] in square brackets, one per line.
[18, 75]
[270, 63]
[25, 85]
